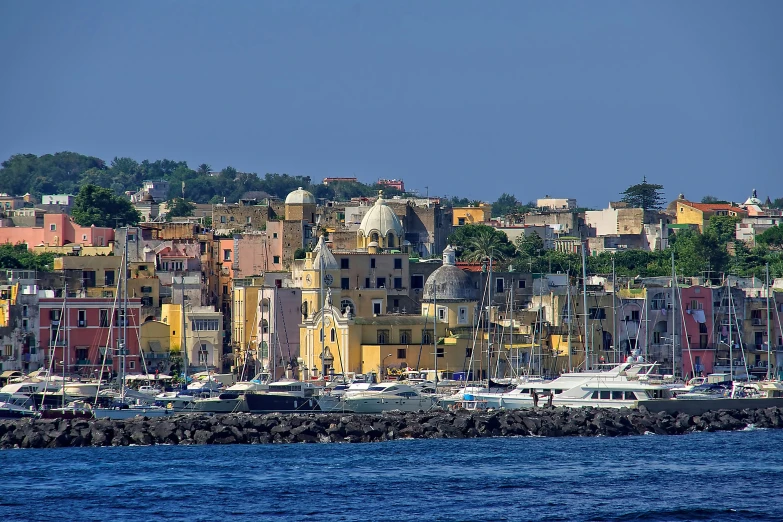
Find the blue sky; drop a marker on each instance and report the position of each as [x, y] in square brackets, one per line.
[571, 99]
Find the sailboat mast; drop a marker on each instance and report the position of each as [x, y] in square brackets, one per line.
[616, 354]
[323, 313]
[124, 326]
[66, 339]
[769, 333]
[568, 287]
[584, 299]
[435, 329]
[674, 317]
[731, 327]
[184, 347]
[272, 353]
[489, 322]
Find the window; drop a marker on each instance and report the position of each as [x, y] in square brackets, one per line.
[225, 289]
[88, 276]
[597, 313]
[398, 282]
[468, 353]
[142, 268]
[231, 219]
[426, 337]
[131, 365]
[383, 336]
[462, 315]
[417, 281]
[53, 227]
[606, 394]
[380, 282]
[629, 396]
[146, 301]
[222, 219]
[398, 263]
[499, 285]
[103, 318]
[24, 310]
[635, 316]
[345, 303]
[460, 221]
[376, 306]
[617, 395]
[366, 282]
[248, 220]
[405, 338]
[108, 278]
[54, 315]
[521, 283]
[146, 289]
[396, 303]
[274, 235]
[441, 313]
[276, 260]
[401, 353]
[441, 352]
[84, 237]
[226, 255]
[656, 337]
[696, 304]
[24, 324]
[345, 263]
[304, 309]
[81, 321]
[372, 262]
[204, 324]
[332, 336]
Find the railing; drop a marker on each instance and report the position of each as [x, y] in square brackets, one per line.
[758, 321]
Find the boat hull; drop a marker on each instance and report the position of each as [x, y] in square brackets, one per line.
[128, 413]
[280, 403]
[699, 406]
[381, 404]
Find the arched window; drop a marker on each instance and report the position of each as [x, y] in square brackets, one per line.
[374, 237]
[344, 303]
[304, 309]
[332, 336]
[390, 240]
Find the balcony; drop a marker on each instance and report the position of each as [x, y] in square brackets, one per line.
[758, 321]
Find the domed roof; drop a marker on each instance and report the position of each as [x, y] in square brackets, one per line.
[449, 283]
[753, 199]
[147, 198]
[300, 197]
[380, 218]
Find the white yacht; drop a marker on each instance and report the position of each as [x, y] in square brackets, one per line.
[616, 387]
[388, 396]
[258, 383]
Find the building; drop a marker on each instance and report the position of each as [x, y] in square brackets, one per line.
[397, 184]
[699, 214]
[148, 208]
[202, 336]
[65, 200]
[83, 334]
[327, 181]
[157, 189]
[57, 230]
[471, 215]
[556, 204]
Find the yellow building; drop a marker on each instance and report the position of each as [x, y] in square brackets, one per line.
[699, 214]
[202, 335]
[155, 338]
[348, 331]
[244, 317]
[471, 215]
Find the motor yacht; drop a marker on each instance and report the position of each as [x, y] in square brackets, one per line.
[225, 402]
[16, 406]
[388, 396]
[284, 397]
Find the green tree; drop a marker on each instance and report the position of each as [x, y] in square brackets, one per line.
[478, 242]
[506, 204]
[179, 207]
[771, 238]
[19, 257]
[530, 245]
[204, 169]
[644, 195]
[101, 207]
[723, 228]
[712, 199]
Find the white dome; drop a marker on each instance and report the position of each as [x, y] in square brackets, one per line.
[300, 197]
[381, 219]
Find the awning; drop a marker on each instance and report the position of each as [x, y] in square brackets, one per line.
[10, 373]
[155, 346]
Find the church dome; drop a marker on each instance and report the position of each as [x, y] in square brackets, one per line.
[449, 283]
[380, 219]
[753, 199]
[147, 198]
[300, 197]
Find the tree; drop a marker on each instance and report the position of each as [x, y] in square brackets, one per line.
[505, 205]
[479, 242]
[771, 238]
[19, 257]
[179, 207]
[723, 228]
[644, 195]
[530, 245]
[204, 169]
[712, 199]
[101, 207]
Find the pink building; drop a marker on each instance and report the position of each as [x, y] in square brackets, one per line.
[696, 327]
[81, 332]
[258, 253]
[393, 183]
[58, 230]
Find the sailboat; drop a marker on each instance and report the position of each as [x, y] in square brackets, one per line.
[129, 404]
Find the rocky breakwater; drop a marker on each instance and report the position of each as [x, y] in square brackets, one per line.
[258, 429]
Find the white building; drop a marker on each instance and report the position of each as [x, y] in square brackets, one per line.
[548, 203]
[58, 199]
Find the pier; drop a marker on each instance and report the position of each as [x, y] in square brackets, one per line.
[243, 428]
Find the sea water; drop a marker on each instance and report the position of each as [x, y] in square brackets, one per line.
[704, 476]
